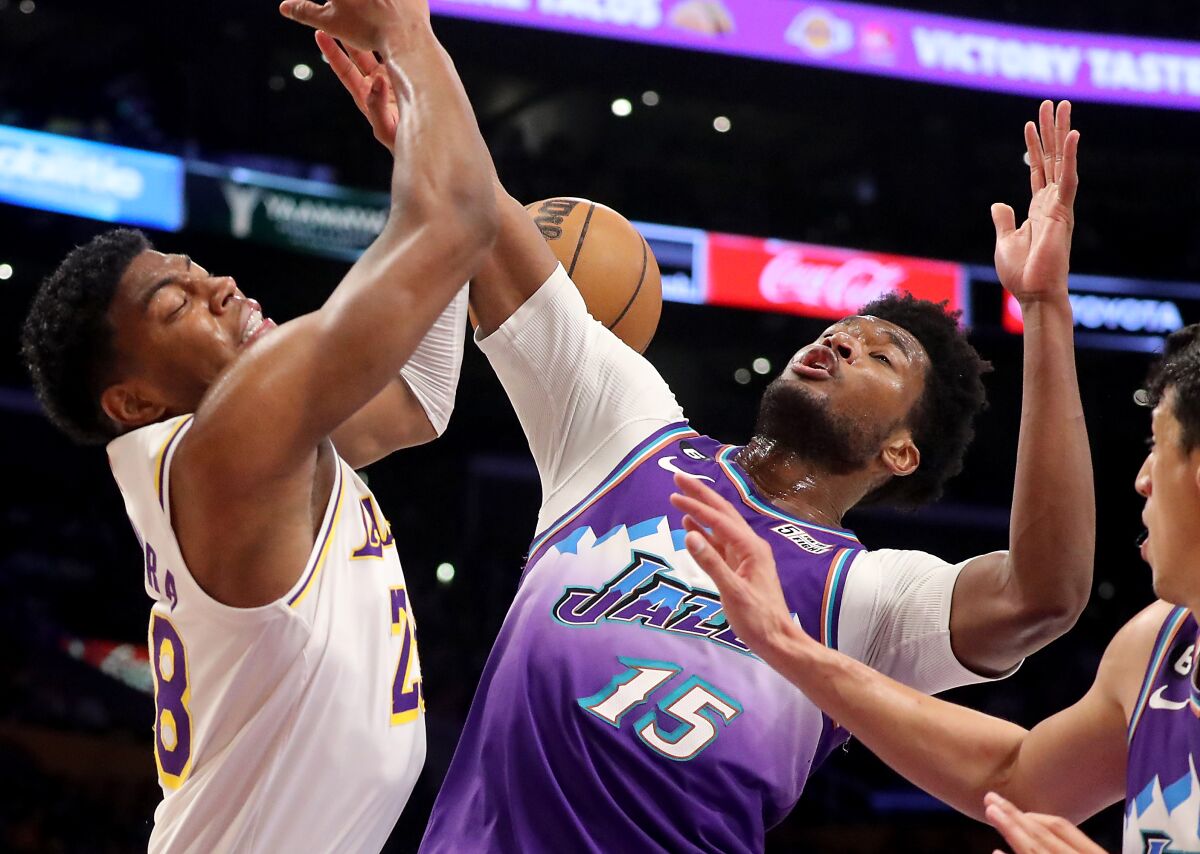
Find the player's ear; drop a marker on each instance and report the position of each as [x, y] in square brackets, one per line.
[900, 455]
[130, 405]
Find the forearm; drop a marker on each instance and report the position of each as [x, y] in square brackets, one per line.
[520, 261]
[442, 166]
[1052, 531]
[440, 229]
[954, 753]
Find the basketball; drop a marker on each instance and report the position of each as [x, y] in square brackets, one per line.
[610, 263]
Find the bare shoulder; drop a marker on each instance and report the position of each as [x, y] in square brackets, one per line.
[1125, 660]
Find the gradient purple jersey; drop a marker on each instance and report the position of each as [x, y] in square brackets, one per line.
[1162, 803]
[618, 711]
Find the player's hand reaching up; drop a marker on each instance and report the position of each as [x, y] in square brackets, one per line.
[1032, 833]
[739, 562]
[366, 79]
[1032, 261]
[362, 24]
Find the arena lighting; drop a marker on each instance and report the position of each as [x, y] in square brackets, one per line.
[302, 72]
[881, 41]
[741, 376]
[650, 98]
[622, 107]
[721, 124]
[761, 365]
[27, 7]
[445, 572]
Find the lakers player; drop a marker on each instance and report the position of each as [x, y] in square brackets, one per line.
[289, 714]
[618, 709]
[1134, 735]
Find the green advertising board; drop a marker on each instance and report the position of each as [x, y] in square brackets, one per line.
[302, 216]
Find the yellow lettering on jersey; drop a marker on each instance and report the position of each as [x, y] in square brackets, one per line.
[408, 702]
[377, 534]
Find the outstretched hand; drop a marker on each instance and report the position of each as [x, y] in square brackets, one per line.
[1033, 833]
[358, 23]
[738, 561]
[1033, 260]
[366, 79]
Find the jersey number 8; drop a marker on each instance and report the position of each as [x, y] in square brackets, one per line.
[172, 720]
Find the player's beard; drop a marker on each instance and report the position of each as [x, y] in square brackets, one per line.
[792, 418]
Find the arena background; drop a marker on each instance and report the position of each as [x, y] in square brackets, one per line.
[819, 156]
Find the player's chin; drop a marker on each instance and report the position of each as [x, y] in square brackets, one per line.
[1165, 584]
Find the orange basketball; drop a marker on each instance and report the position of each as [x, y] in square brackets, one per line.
[610, 263]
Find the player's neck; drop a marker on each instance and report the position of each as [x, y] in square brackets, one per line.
[800, 487]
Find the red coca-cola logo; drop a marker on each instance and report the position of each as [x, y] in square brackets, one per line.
[842, 287]
[818, 281]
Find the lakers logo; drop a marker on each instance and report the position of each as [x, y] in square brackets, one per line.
[377, 534]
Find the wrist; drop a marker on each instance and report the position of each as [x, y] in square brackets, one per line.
[1058, 298]
[788, 642]
[402, 38]
[1052, 312]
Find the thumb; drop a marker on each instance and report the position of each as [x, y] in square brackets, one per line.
[304, 11]
[1004, 219]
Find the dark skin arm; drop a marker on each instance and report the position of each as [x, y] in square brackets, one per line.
[393, 419]
[1009, 604]
[520, 260]
[258, 452]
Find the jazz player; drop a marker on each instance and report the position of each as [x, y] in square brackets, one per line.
[1134, 735]
[288, 700]
[618, 710]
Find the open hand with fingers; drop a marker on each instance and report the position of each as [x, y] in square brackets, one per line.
[1034, 833]
[740, 563]
[1033, 260]
[366, 79]
[362, 24]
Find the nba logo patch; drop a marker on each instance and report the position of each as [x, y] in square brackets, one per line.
[802, 538]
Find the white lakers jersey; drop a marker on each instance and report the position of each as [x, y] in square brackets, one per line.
[295, 726]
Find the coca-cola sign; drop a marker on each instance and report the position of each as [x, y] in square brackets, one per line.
[819, 281]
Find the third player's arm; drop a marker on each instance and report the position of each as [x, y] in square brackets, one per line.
[1071, 764]
[1009, 604]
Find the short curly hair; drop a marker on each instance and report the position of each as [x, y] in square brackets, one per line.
[943, 418]
[1179, 369]
[67, 340]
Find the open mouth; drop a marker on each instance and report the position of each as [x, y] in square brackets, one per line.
[255, 326]
[816, 362]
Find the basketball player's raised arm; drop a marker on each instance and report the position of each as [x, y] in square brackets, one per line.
[1009, 604]
[266, 416]
[1071, 764]
[582, 396]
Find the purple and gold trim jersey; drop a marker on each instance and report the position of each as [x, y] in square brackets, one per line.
[1162, 803]
[294, 726]
[618, 710]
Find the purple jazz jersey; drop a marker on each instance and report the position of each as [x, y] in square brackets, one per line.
[618, 711]
[1162, 793]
